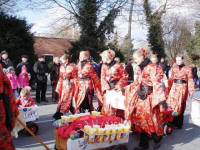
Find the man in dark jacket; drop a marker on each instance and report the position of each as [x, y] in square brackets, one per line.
[54, 76]
[5, 61]
[41, 70]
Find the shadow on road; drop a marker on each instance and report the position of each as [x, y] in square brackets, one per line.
[45, 133]
[187, 138]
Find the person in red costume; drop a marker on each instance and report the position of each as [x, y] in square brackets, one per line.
[181, 85]
[143, 100]
[88, 82]
[24, 99]
[8, 112]
[113, 76]
[66, 84]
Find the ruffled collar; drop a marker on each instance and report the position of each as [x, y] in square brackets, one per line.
[111, 63]
[181, 66]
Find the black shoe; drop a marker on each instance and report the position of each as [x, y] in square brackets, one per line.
[156, 145]
[141, 148]
[44, 100]
[177, 127]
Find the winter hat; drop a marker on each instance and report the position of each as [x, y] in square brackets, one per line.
[11, 68]
[24, 56]
[4, 52]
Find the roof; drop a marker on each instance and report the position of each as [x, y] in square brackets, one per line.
[55, 46]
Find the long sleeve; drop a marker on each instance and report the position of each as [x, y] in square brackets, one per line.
[131, 95]
[123, 81]
[104, 84]
[158, 91]
[96, 83]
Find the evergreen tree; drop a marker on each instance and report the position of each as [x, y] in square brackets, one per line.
[114, 45]
[155, 34]
[124, 46]
[16, 38]
[93, 36]
[193, 46]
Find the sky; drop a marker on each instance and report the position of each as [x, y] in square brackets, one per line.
[44, 19]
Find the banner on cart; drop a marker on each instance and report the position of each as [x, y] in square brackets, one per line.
[115, 99]
[81, 144]
[30, 113]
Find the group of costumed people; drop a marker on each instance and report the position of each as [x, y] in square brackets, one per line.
[145, 98]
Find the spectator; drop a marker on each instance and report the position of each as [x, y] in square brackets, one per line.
[54, 76]
[194, 73]
[22, 63]
[13, 80]
[5, 61]
[168, 69]
[41, 70]
[129, 70]
[163, 64]
[23, 78]
[28, 67]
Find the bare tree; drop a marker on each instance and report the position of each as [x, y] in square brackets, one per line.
[7, 5]
[177, 34]
[130, 30]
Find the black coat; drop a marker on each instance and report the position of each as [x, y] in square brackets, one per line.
[163, 65]
[6, 63]
[54, 75]
[40, 68]
[28, 66]
[194, 72]
[129, 70]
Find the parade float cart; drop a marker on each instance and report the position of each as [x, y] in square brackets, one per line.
[89, 132]
[27, 115]
[195, 108]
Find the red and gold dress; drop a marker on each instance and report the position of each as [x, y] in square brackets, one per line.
[180, 85]
[66, 86]
[5, 133]
[113, 76]
[87, 83]
[143, 98]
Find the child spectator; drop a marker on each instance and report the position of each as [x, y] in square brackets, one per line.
[24, 77]
[25, 100]
[13, 80]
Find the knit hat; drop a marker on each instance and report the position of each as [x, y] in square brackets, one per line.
[4, 52]
[24, 56]
[11, 68]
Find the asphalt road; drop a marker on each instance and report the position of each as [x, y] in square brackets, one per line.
[187, 138]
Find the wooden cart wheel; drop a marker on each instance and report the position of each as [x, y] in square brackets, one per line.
[55, 147]
[33, 127]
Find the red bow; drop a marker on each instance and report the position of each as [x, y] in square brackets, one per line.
[144, 51]
[109, 53]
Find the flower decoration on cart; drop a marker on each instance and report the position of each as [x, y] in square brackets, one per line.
[94, 128]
